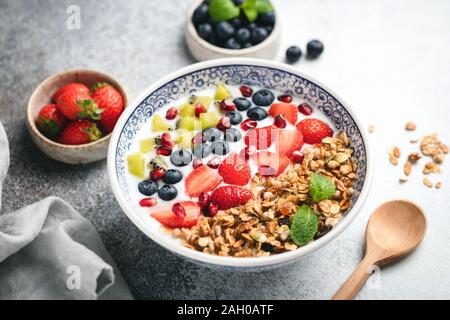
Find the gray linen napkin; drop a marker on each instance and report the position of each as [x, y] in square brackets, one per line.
[49, 251]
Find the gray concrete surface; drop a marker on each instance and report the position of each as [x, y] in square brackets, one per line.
[387, 59]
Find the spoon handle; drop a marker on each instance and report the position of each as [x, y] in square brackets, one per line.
[355, 282]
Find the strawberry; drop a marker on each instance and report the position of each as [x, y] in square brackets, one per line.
[50, 120]
[234, 170]
[202, 179]
[230, 196]
[111, 101]
[261, 138]
[271, 164]
[288, 141]
[78, 105]
[288, 110]
[314, 130]
[74, 86]
[168, 218]
[80, 132]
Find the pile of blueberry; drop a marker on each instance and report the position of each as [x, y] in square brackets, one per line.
[236, 33]
[314, 49]
[166, 191]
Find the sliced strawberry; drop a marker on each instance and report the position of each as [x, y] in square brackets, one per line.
[288, 141]
[314, 130]
[202, 179]
[261, 138]
[271, 164]
[234, 170]
[230, 196]
[169, 219]
[289, 111]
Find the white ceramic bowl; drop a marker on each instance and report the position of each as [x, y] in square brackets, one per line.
[235, 71]
[71, 154]
[203, 50]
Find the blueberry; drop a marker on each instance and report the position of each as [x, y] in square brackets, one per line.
[181, 157]
[259, 35]
[147, 187]
[243, 35]
[205, 31]
[293, 54]
[172, 176]
[247, 45]
[236, 22]
[257, 113]
[266, 19]
[167, 192]
[242, 104]
[235, 117]
[212, 134]
[238, 2]
[314, 48]
[268, 29]
[252, 26]
[263, 97]
[200, 14]
[220, 148]
[202, 150]
[233, 135]
[224, 30]
[232, 44]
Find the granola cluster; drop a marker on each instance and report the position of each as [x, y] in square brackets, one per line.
[262, 226]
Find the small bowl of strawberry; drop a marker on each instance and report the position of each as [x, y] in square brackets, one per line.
[71, 115]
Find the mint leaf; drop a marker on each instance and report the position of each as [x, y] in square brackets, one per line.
[321, 187]
[263, 6]
[304, 225]
[249, 8]
[221, 10]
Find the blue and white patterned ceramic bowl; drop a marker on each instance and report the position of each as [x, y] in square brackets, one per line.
[233, 71]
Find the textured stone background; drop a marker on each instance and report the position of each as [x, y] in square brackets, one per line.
[389, 60]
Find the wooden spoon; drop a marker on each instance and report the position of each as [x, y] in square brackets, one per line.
[394, 229]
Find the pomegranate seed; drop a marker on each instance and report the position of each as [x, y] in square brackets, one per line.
[203, 199]
[305, 109]
[166, 141]
[224, 123]
[197, 163]
[280, 121]
[248, 124]
[246, 91]
[164, 151]
[212, 209]
[214, 163]
[178, 210]
[247, 152]
[227, 105]
[297, 156]
[199, 108]
[147, 202]
[171, 113]
[157, 174]
[285, 98]
[198, 138]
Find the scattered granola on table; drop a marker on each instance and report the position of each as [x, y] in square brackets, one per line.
[287, 211]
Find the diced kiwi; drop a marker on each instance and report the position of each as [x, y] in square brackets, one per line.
[147, 145]
[159, 125]
[184, 139]
[189, 123]
[204, 101]
[136, 164]
[188, 109]
[222, 92]
[209, 119]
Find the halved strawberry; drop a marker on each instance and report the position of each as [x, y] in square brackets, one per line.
[289, 111]
[261, 138]
[169, 219]
[288, 141]
[271, 164]
[234, 170]
[202, 179]
[314, 130]
[228, 197]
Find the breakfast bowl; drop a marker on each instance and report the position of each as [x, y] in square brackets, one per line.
[157, 102]
[42, 95]
[202, 50]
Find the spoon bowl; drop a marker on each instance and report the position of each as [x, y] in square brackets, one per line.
[394, 229]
